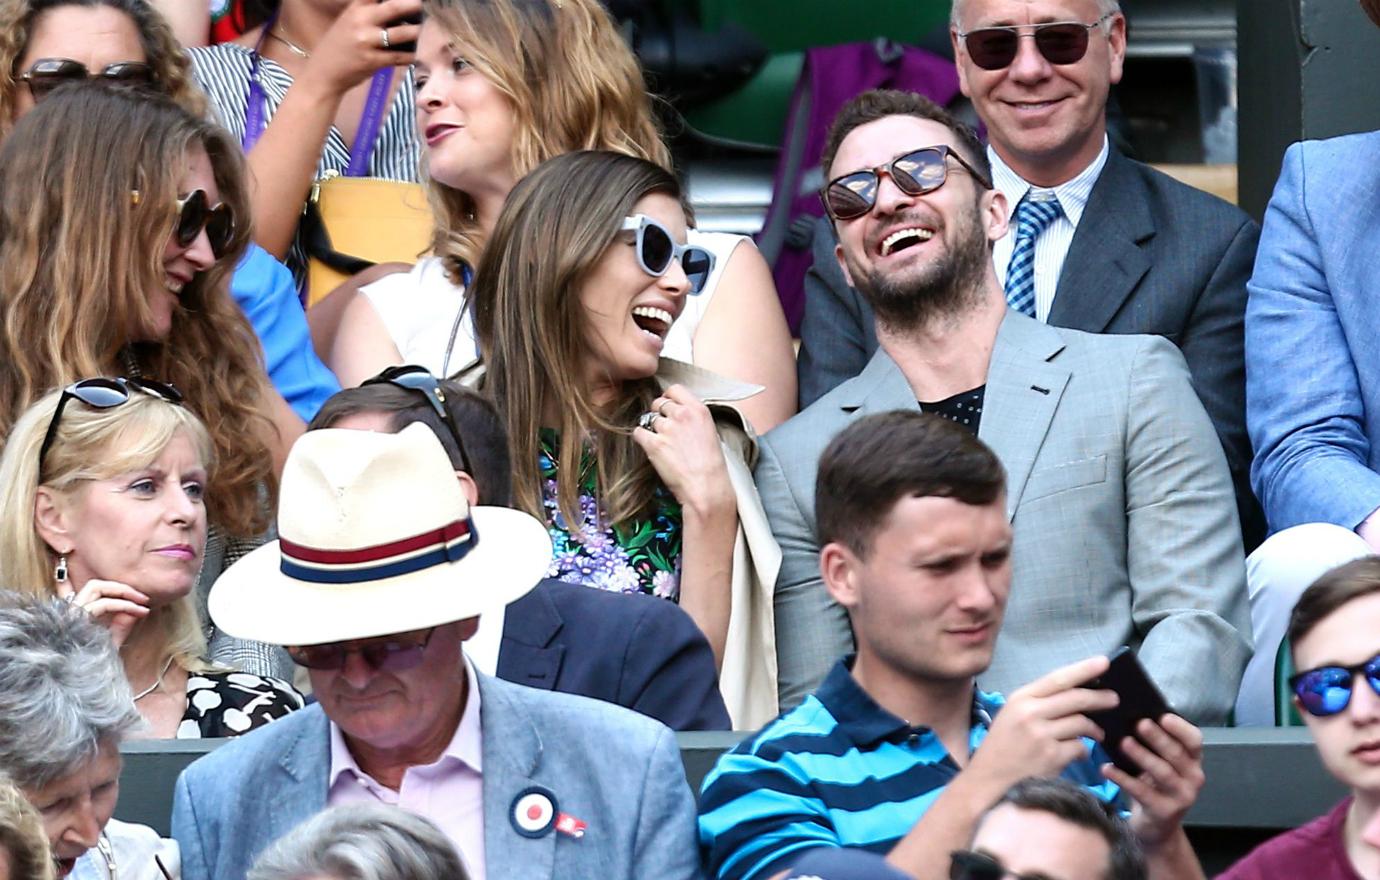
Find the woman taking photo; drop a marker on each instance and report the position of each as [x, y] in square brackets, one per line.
[103, 489]
[314, 87]
[120, 217]
[501, 87]
[642, 486]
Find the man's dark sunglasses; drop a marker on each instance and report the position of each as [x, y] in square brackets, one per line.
[1327, 690]
[968, 865]
[914, 173]
[388, 654]
[1061, 42]
[419, 380]
[47, 74]
[195, 213]
[102, 393]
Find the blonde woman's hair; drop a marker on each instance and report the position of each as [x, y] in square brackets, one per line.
[171, 68]
[91, 444]
[22, 839]
[79, 251]
[557, 225]
[572, 84]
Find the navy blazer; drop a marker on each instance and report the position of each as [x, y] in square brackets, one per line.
[640, 652]
[1150, 255]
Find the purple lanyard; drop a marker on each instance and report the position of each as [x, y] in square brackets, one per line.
[369, 122]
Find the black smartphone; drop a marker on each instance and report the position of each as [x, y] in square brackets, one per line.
[411, 45]
[1139, 699]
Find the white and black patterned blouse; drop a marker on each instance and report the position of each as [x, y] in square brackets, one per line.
[232, 703]
[223, 73]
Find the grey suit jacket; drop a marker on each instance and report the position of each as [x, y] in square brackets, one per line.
[618, 771]
[1151, 255]
[1119, 497]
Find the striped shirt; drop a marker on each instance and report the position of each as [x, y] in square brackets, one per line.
[1053, 244]
[836, 771]
[223, 73]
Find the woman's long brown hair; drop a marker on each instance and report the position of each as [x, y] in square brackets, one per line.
[79, 253]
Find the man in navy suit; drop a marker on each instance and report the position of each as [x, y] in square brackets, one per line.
[637, 651]
[1129, 250]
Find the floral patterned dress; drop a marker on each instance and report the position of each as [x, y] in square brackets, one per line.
[639, 557]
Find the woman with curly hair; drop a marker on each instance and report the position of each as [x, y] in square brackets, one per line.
[121, 215]
[502, 86]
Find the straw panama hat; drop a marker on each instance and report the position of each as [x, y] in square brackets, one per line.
[376, 538]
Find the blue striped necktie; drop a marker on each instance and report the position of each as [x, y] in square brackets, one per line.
[1032, 218]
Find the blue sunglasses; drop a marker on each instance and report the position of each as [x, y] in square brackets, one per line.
[1327, 690]
[656, 250]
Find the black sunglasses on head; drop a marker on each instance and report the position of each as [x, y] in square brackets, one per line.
[195, 213]
[914, 173]
[1060, 42]
[1327, 690]
[387, 654]
[968, 865]
[46, 74]
[419, 380]
[102, 393]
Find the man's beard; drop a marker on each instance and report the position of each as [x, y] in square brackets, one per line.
[942, 290]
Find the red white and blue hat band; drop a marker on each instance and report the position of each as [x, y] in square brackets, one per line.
[437, 547]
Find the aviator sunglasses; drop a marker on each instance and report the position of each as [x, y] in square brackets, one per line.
[915, 173]
[1327, 690]
[419, 380]
[1060, 42]
[103, 393]
[656, 249]
[383, 655]
[968, 865]
[47, 74]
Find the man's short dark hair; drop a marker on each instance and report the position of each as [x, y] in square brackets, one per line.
[481, 429]
[1075, 804]
[880, 459]
[881, 103]
[1338, 587]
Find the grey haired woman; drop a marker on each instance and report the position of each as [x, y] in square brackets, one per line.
[65, 707]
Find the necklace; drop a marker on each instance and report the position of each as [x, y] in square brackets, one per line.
[153, 687]
[281, 37]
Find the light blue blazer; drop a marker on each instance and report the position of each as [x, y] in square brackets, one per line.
[1312, 340]
[618, 771]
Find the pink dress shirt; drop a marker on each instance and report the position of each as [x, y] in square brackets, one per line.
[449, 792]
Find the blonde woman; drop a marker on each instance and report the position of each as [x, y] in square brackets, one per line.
[103, 492]
[501, 87]
[121, 216]
[640, 466]
[24, 853]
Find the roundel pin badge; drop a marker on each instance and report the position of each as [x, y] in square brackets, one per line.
[534, 812]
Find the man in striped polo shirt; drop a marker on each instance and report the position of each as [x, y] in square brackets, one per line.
[898, 752]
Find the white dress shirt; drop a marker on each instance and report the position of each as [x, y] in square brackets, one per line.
[1053, 244]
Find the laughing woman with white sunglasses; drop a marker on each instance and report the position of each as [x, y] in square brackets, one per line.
[638, 464]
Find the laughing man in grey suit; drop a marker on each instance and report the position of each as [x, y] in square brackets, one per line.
[380, 574]
[1132, 251]
[1118, 492]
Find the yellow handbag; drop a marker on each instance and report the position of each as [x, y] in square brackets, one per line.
[351, 223]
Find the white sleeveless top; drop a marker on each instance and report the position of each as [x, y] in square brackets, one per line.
[422, 311]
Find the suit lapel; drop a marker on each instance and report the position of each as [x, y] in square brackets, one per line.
[1105, 261]
[880, 387]
[302, 788]
[526, 654]
[1023, 393]
[513, 754]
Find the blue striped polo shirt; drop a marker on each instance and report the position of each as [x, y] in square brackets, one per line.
[838, 770]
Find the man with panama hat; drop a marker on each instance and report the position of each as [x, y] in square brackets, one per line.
[380, 573]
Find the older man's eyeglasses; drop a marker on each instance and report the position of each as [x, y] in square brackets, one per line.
[387, 654]
[1060, 42]
[915, 173]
